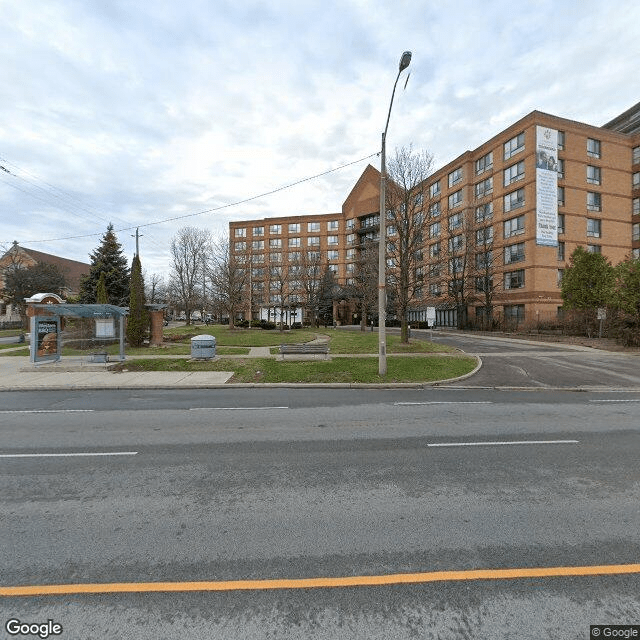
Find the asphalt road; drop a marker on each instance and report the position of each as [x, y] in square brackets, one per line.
[226, 485]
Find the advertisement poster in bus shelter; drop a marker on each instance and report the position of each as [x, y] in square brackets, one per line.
[45, 338]
[546, 187]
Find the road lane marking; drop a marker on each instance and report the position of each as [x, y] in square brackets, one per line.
[321, 583]
[398, 404]
[234, 408]
[638, 400]
[48, 411]
[498, 444]
[68, 455]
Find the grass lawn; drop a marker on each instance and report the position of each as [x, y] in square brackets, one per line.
[363, 370]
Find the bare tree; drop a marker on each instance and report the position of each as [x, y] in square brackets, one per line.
[487, 261]
[229, 278]
[406, 198]
[365, 281]
[279, 288]
[309, 276]
[155, 288]
[190, 248]
[460, 262]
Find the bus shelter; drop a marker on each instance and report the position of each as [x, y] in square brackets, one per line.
[85, 329]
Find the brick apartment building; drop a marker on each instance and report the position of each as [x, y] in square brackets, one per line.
[516, 207]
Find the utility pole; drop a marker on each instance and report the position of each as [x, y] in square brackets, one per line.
[137, 236]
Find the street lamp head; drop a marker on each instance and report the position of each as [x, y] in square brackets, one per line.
[405, 60]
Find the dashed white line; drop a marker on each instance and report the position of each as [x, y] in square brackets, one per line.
[636, 400]
[48, 411]
[234, 408]
[68, 455]
[500, 443]
[405, 404]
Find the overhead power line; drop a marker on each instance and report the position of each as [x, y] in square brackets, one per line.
[219, 208]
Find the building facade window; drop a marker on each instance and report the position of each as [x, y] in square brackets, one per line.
[594, 201]
[351, 238]
[593, 175]
[561, 169]
[594, 228]
[635, 180]
[513, 146]
[455, 243]
[332, 255]
[635, 231]
[275, 243]
[294, 242]
[455, 199]
[514, 200]
[593, 148]
[594, 248]
[484, 188]
[435, 289]
[434, 230]
[485, 163]
[514, 227]
[257, 245]
[514, 253]
[636, 155]
[455, 221]
[561, 196]
[434, 189]
[275, 257]
[294, 256]
[434, 250]
[241, 233]
[561, 139]
[391, 230]
[561, 223]
[561, 251]
[636, 206]
[332, 225]
[455, 176]
[559, 277]
[484, 236]
[514, 173]
[240, 246]
[332, 239]
[434, 209]
[484, 212]
[514, 279]
[275, 229]
[351, 223]
[313, 241]
[313, 227]
[514, 312]
[294, 227]
[484, 259]
[258, 231]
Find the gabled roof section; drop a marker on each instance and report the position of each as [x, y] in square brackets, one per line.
[362, 197]
[71, 269]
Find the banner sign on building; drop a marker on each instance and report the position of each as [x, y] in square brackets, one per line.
[546, 187]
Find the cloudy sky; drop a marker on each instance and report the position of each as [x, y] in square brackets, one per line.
[149, 113]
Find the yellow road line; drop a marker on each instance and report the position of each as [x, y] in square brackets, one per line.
[320, 583]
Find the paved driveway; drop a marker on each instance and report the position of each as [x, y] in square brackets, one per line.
[519, 363]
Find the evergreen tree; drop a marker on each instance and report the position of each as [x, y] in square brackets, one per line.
[101, 290]
[138, 320]
[109, 259]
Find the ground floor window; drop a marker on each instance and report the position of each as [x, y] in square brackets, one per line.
[514, 312]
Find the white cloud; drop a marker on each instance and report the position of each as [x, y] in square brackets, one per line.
[150, 110]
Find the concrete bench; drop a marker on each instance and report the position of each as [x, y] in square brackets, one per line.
[307, 348]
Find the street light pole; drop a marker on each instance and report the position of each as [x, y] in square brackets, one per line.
[382, 246]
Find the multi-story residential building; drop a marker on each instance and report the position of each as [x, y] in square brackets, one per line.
[499, 222]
